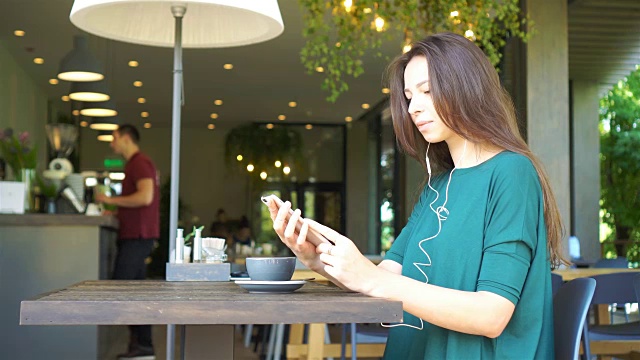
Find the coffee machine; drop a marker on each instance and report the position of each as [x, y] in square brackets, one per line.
[62, 139]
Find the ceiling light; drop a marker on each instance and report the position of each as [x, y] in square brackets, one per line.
[75, 112]
[293, 104]
[107, 137]
[348, 119]
[218, 102]
[38, 60]
[269, 126]
[286, 170]
[79, 64]
[133, 63]
[144, 114]
[65, 98]
[99, 109]
[19, 33]
[137, 83]
[109, 123]
[53, 81]
[278, 163]
[142, 100]
[320, 69]
[250, 167]
[213, 116]
[385, 90]
[239, 157]
[211, 126]
[308, 126]
[365, 106]
[228, 66]
[263, 175]
[89, 91]
[281, 117]
[379, 23]
[147, 125]
[84, 123]
[347, 5]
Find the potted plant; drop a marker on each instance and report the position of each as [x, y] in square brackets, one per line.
[50, 191]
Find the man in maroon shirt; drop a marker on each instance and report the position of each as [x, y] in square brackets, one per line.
[139, 217]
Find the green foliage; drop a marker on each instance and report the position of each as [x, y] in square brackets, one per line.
[620, 158]
[187, 239]
[337, 39]
[47, 188]
[17, 150]
[261, 147]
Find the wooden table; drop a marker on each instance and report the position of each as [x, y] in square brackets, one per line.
[571, 274]
[109, 302]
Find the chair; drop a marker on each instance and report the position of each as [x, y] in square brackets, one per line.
[570, 306]
[556, 283]
[362, 334]
[612, 339]
[620, 262]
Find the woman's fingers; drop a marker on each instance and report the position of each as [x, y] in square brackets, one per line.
[273, 207]
[302, 237]
[291, 225]
[324, 248]
[328, 232]
[279, 221]
[328, 259]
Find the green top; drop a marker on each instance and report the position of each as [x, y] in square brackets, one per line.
[494, 239]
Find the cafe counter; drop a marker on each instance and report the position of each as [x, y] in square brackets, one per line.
[42, 253]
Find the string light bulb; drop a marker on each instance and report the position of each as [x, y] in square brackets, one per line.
[250, 167]
[278, 163]
[379, 23]
[239, 157]
[263, 175]
[286, 170]
[348, 5]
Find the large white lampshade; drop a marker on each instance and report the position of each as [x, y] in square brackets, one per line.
[208, 23]
[179, 24]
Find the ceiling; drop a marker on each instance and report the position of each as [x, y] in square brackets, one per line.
[604, 40]
[604, 46]
[264, 79]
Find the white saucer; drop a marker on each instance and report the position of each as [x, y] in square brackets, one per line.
[270, 287]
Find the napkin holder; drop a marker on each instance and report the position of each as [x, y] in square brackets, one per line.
[198, 272]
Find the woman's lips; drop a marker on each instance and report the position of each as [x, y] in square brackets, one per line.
[423, 125]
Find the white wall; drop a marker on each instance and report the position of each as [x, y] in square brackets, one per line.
[23, 104]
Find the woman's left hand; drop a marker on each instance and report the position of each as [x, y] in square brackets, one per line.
[344, 261]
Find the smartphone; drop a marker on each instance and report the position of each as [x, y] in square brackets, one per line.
[316, 240]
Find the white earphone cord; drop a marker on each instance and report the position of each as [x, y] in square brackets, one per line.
[442, 213]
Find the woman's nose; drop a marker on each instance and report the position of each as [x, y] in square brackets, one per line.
[414, 107]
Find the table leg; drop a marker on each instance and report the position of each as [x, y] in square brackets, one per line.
[316, 342]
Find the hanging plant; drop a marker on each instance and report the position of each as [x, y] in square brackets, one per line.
[340, 32]
[254, 148]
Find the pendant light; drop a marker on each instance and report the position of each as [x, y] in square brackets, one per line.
[108, 123]
[99, 109]
[89, 91]
[105, 136]
[80, 64]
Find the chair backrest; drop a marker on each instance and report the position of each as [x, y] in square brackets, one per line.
[614, 288]
[620, 262]
[570, 307]
[636, 286]
[556, 283]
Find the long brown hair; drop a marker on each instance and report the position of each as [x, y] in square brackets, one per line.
[468, 97]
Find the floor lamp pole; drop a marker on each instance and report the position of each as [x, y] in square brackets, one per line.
[178, 13]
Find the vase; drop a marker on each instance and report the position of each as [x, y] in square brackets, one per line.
[28, 177]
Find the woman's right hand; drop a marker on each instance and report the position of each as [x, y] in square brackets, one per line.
[294, 233]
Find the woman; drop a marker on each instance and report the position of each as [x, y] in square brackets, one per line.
[472, 266]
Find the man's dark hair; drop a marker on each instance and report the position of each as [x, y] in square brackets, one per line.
[128, 129]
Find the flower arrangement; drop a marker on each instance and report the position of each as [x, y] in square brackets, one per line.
[17, 151]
